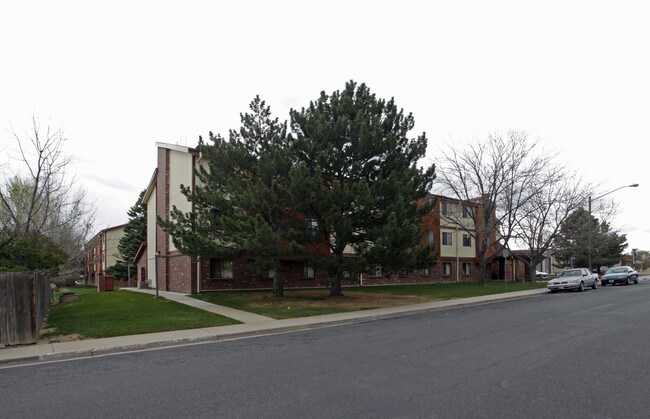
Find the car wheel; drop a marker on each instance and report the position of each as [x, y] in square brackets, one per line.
[636, 280]
[627, 281]
[581, 287]
[594, 285]
[603, 284]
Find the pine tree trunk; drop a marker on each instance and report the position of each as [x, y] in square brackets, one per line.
[335, 287]
[278, 289]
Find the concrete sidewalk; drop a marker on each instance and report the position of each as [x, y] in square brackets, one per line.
[252, 325]
[242, 316]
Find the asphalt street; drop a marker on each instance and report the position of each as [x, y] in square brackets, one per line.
[565, 355]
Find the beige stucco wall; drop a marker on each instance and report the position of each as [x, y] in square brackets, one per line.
[205, 164]
[456, 249]
[181, 172]
[113, 237]
[465, 222]
[151, 236]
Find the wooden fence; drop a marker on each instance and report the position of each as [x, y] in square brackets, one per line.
[24, 301]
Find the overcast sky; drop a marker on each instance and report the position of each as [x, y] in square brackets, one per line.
[123, 75]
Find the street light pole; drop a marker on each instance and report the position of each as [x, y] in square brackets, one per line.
[634, 185]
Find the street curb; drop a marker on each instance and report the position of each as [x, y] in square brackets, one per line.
[271, 327]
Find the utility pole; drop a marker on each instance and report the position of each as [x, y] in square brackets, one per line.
[634, 185]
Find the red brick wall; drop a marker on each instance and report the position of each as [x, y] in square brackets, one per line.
[245, 278]
[180, 273]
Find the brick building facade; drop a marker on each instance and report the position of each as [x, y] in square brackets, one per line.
[101, 253]
[456, 250]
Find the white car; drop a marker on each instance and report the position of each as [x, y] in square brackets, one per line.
[573, 279]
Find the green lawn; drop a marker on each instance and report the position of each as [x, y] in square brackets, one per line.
[303, 303]
[119, 313]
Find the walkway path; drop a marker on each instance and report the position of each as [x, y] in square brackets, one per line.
[242, 316]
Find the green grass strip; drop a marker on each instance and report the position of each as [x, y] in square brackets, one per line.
[121, 313]
[303, 303]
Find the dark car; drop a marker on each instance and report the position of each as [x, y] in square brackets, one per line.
[619, 275]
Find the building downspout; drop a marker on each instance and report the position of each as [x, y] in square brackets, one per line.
[198, 274]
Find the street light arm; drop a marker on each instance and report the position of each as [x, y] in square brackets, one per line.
[634, 185]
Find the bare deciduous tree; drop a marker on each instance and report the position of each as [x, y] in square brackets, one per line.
[539, 225]
[497, 178]
[39, 195]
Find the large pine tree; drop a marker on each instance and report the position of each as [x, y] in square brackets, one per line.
[241, 198]
[357, 175]
[572, 245]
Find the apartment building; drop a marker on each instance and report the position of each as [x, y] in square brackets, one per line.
[160, 263]
[102, 253]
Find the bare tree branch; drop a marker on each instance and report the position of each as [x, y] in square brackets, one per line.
[497, 177]
[40, 195]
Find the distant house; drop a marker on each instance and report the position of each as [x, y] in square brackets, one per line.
[516, 265]
[102, 253]
[176, 165]
[627, 260]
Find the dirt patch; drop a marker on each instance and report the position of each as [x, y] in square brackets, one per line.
[56, 338]
[59, 338]
[350, 300]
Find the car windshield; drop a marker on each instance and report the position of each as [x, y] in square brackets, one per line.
[573, 272]
[617, 270]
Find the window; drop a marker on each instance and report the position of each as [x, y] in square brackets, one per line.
[467, 268]
[375, 270]
[221, 268]
[447, 239]
[467, 240]
[312, 224]
[429, 234]
[424, 271]
[446, 208]
[307, 270]
[446, 268]
[467, 212]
